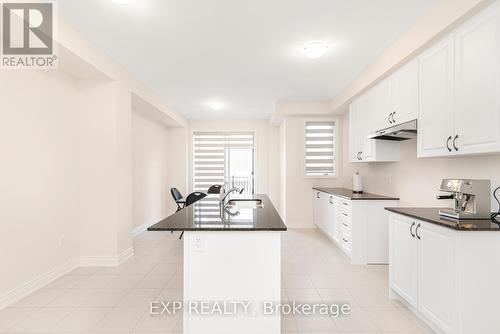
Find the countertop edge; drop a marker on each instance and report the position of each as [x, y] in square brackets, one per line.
[180, 229]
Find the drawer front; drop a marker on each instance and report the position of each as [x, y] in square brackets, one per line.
[345, 214]
[345, 240]
[345, 204]
[345, 222]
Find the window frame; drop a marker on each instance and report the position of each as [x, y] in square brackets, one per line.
[191, 156]
[336, 156]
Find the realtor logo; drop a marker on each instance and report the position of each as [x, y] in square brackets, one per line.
[28, 35]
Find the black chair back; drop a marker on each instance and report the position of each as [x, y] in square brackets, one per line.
[176, 194]
[194, 197]
[215, 189]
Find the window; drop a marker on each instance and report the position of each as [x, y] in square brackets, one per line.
[320, 149]
[223, 157]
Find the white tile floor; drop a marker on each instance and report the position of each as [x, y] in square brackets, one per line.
[116, 300]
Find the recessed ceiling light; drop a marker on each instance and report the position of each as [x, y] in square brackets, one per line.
[215, 106]
[122, 2]
[315, 49]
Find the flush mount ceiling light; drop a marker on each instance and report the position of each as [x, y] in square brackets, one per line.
[123, 2]
[215, 106]
[315, 49]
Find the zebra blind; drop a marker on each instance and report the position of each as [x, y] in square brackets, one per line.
[320, 149]
[210, 156]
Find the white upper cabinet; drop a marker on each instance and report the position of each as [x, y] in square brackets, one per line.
[477, 82]
[435, 119]
[459, 94]
[382, 108]
[404, 93]
[361, 119]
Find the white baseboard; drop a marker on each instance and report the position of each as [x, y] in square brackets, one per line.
[106, 261]
[18, 293]
[139, 229]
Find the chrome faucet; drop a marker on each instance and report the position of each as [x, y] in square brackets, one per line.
[227, 193]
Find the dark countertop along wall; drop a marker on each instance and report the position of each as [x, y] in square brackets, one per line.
[348, 194]
[431, 215]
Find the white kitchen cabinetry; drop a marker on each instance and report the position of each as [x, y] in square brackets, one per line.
[391, 102]
[358, 227]
[325, 216]
[436, 274]
[459, 97]
[445, 275]
[404, 256]
[477, 82]
[404, 93]
[361, 120]
[435, 120]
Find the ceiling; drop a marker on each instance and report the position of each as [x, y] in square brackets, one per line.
[243, 54]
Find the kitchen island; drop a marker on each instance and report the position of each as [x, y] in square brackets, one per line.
[230, 256]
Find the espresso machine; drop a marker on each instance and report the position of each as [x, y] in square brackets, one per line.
[472, 198]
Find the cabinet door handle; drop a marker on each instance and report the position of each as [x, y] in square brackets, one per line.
[389, 117]
[392, 117]
[361, 155]
[448, 143]
[416, 232]
[411, 230]
[455, 143]
[317, 195]
[330, 200]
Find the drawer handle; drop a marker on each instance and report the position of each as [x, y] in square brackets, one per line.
[411, 229]
[455, 143]
[345, 240]
[345, 214]
[416, 231]
[345, 225]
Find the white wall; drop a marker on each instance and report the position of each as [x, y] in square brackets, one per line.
[151, 160]
[416, 181]
[105, 173]
[38, 175]
[266, 143]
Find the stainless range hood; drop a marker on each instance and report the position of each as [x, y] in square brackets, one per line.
[400, 132]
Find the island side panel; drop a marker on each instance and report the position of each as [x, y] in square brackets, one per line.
[232, 266]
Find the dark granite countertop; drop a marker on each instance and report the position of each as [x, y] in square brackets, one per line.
[348, 194]
[431, 215]
[204, 215]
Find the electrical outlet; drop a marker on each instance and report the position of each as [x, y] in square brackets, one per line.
[198, 244]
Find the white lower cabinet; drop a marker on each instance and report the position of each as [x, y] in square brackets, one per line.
[358, 227]
[325, 213]
[404, 258]
[442, 275]
[436, 274]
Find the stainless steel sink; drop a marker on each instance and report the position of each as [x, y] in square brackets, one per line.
[238, 204]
